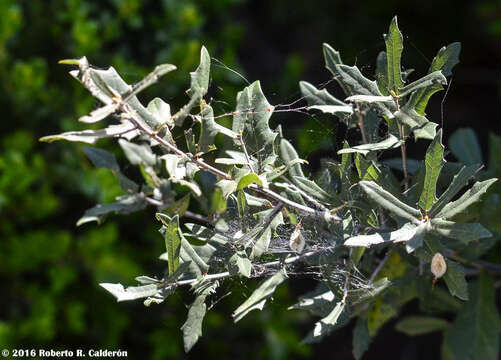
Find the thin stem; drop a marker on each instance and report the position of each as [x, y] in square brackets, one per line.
[302, 208]
[379, 267]
[479, 264]
[247, 158]
[361, 123]
[144, 128]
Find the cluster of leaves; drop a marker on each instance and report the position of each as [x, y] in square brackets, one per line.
[251, 211]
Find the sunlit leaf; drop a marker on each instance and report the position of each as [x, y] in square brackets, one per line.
[131, 292]
[471, 196]
[394, 48]
[464, 232]
[434, 161]
[390, 202]
[390, 142]
[258, 298]
[459, 181]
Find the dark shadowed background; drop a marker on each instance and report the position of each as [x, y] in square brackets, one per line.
[50, 269]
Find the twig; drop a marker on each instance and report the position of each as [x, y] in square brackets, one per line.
[303, 208]
[361, 123]
[226, 274]
[247, 158]
[379, 267]
[132, 116]
[346, 287]
[479, 264]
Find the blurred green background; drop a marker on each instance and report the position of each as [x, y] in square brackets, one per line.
[50, 269]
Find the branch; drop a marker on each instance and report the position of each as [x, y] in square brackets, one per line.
[302, 208]
[479, 264]
[379, 267]
[287, 261]
[132, 116]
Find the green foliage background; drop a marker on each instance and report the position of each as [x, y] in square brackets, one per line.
[50, 269]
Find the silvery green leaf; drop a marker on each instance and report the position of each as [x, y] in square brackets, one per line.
[288, 154]
[131, 292]
[252, 117]
[332, 61]
[199, 86]
[107, 86]
[152, 77]
[327, 324]
[161, 111]
[405, 233]
[311, 188]
[192, 328]
[257, 201]
[390, 202]
[240, 264]
[464, 232]
[124, 205]
[228, 187]
[369, 99]
[99, 114]
[333, 109]
[459, 181]
[318, 304]
[236, 158]
[315, 96]
[200, 77]
[445, 60]
[197, 255]
[471, 196]
[138, 154]
[360, 85]
[189, 184]
[175, 166]
[263, 237]
[258, 298]
[145, 280]
[465, 147]
[210, 128]
[394, 48]
[420, 126]
[91, 136]
[390, 142]
[429, 80]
